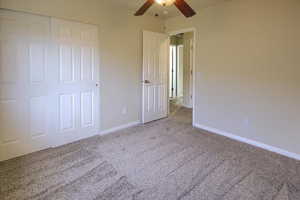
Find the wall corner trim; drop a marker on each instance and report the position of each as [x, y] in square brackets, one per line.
[249, 141]
[118, 128]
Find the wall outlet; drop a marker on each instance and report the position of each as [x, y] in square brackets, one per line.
[124, 111]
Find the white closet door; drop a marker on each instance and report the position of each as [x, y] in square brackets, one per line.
[155, 82]
[48, 83]
[23, 83]
[75, 92]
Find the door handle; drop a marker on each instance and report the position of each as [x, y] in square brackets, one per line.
[147, 81]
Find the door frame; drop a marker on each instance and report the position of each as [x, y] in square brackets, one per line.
[178, 65]
[188, 30]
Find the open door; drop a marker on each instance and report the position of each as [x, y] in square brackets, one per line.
[155, 78]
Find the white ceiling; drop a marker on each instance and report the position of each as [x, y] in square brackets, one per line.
[172, 11]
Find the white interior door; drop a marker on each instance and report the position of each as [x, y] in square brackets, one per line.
[48, 82]
[155, 78]
[23, 83]
[75, 92]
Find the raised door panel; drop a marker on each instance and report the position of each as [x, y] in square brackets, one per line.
[10, 117]
[87, 109]
[77, 62]
[13, 129]
[87, 63]
[8, 61]
[66, 66]
[38, 117]
[161, 106]
[67, 112]
[37, 62]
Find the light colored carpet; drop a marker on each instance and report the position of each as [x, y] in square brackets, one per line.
[164, 160]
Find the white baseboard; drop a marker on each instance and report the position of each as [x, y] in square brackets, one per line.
[118, 128]
[249, 141]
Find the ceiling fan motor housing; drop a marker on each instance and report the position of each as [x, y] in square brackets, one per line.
[165, 2]
[184, 8]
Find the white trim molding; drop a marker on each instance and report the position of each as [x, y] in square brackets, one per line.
[249, 141]
[118, 128]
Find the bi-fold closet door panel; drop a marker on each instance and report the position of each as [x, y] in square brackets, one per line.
[48, 77]
[23, 83]
[75, 95]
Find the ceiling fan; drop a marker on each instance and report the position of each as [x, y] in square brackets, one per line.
[185, 9]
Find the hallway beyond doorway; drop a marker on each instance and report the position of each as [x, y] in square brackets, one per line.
[181, 69]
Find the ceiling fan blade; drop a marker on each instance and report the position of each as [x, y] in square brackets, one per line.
[144, 8]
[184, 8]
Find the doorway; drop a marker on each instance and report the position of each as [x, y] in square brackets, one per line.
[181, 70]
[167, 78]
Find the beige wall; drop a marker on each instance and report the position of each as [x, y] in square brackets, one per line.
[120, 50]
[248, 69]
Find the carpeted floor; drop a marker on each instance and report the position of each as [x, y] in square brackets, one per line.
[164, 160]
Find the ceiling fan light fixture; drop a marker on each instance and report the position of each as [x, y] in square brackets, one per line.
[184, 8]
[165, 2]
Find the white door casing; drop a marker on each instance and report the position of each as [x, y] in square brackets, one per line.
[23, 84]
[191, 71]
[75, 92]
[155, 77]
[180, 70]
[188, 70]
